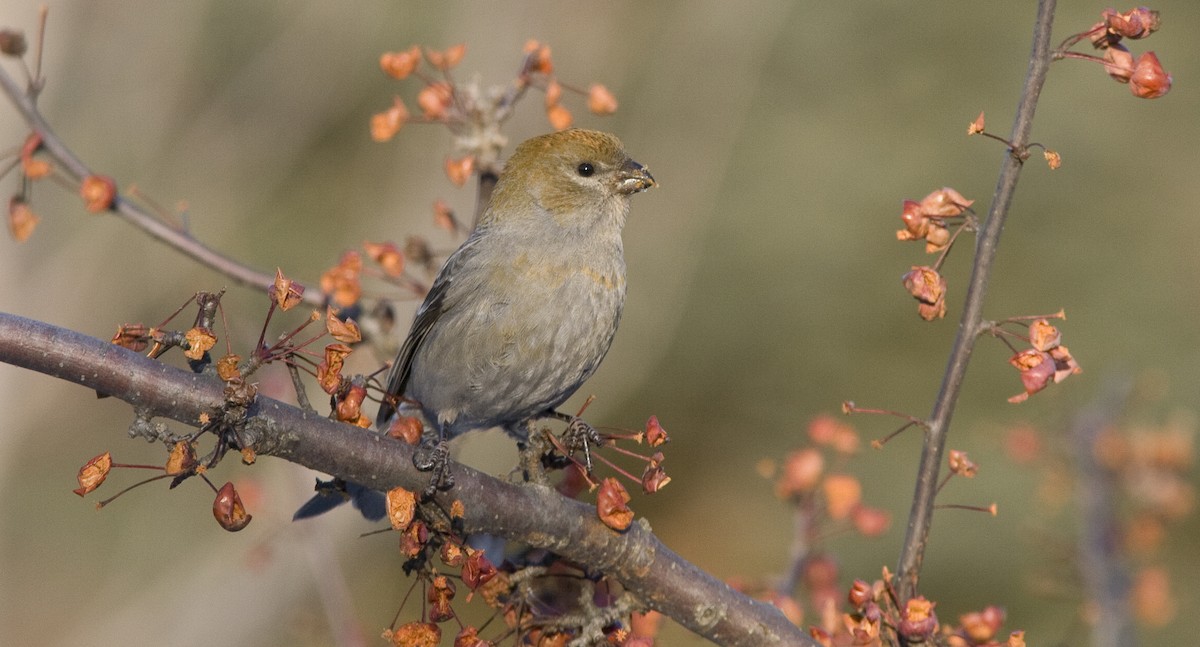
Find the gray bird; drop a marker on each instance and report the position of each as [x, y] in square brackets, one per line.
[524, 311]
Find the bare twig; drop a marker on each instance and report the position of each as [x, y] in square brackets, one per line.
[921, 516]
[70, 164]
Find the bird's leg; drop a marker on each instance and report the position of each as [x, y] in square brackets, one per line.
[579, 435]
[531, 451]
[434, 456]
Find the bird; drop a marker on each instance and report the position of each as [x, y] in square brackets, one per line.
[524, 311]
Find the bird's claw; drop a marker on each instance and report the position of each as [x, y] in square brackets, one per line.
[581, 435]
[434, 457]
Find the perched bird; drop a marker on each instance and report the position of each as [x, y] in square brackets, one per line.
[524, 311]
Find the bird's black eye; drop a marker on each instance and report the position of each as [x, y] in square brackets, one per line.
[586, 169]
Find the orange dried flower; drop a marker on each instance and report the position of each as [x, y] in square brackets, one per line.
[1064, 365]
[349, 406]
[439, 595]
[1118, 62]
[417, 634]
[385, 125]
[600, 100]
[199, 341]
[406, 428]
[182, 458]
[961, 464]
[1037, 369]
[329, 371]
[1133, 24]
[1043, 335]
[976, 127]
[346, 331]
[388, 256]
[553, 93]
[342, 282]
[843, 493]
[459, 170]
[654, 477]
[612, 505]
[99, 193]
[32, 168]
[414, 538]
[539, 58]
[945, 203]
[928, 287]
[284, 292]
[1152, 600]
[1149, 79]
[477, 570]
[93, 473]
[981, 626]
[918, 621]
[443, 216]
[444, 60]
[559, 117]
[399, 65]
[435, 99]
[1053, 159]
[401, 507]
[132, 336]
[227, 367]
[21, 219]
[870, 521]
[655, 434]
[801, 473]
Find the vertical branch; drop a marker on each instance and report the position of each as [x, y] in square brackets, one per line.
[1104, 575]
[921, 516]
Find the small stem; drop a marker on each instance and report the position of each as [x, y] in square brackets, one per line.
[920, 517]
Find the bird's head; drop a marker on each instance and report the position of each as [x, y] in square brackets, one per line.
[573, 175]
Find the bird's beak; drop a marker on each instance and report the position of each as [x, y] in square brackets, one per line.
[634, 178]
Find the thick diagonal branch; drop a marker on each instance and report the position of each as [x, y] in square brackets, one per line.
[534, 515]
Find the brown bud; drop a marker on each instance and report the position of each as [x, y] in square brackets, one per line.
[1149, 80]
[228, 509]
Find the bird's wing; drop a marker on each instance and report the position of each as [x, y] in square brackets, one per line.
[440, 299]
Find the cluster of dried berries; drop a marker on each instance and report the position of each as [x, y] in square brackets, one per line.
[181, 463]
[196, 342]
[829, 496]
[540, 603]
[878, 618]
[1153, 465]
[930, 220]
[99, 192]
[1047, 361]
[1145, 75]
[824, 501]
[474, 115]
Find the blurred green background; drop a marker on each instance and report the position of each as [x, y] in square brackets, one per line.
[764, 279]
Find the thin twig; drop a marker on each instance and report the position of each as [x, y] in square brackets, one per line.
[75, 169]
[921, 516]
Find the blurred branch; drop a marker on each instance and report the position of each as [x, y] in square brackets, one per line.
[76, 170]
[971, 323]
[534, 515]
[1100, 563]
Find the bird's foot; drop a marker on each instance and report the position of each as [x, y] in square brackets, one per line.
[582, 436]
[434, 456]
